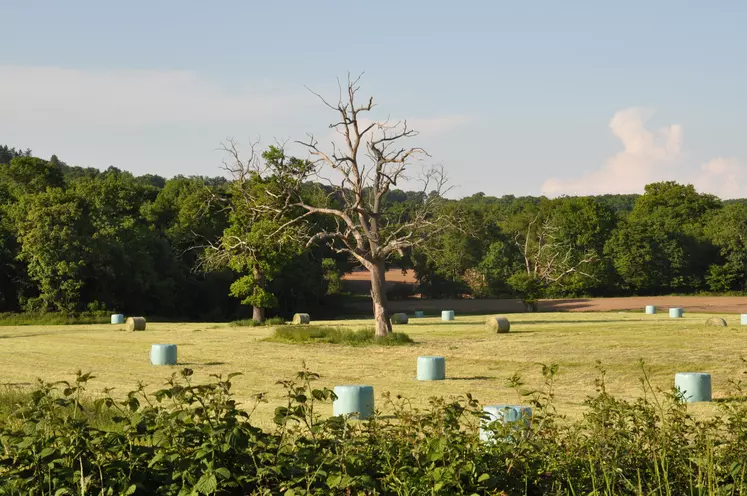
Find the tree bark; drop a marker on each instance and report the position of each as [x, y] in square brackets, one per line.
[258, 314]
[378, 295]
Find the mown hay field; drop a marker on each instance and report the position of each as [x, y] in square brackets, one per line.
[477, 361]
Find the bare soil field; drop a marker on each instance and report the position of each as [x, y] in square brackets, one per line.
[392, 275]
[699, 304]
[359, 283]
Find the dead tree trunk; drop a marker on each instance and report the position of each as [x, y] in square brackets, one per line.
[378, 295]
[368, 162]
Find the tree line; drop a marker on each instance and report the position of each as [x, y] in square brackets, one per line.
[78, 239]
[73, 239]
[277, 232]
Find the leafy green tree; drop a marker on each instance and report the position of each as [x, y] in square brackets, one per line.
[261, 237]
[444, 262]
[500, 261]
[53, 231]
[558, 246]
[27, 175]
[7, 154]
[583, 225]
[128, 266]
[727, 230]
[661, 246]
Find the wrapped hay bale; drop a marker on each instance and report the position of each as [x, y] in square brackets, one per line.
[498, 324]
[135, 323]
[676, 313]
[301, 318]
[716, 322]
[399, 318]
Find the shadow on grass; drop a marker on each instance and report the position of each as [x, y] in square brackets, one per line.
[731, 399]
[37, 334]
[563, 321]
[442, 323]
[473, 378]
[206, 364]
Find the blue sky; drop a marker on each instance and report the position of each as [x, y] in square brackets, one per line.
[549, 97]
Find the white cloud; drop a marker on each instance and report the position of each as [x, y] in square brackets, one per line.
[650, 157]
[646, 157]
[52, 97]
[725, 177]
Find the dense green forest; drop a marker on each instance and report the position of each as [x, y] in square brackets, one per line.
[74, 239]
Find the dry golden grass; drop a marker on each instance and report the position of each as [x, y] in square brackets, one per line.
[476, 361]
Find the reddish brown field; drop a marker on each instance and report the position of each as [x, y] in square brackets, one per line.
[392, 275]
[691, 304]
[359, 283]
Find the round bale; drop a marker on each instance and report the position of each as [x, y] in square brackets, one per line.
[694, 386]
[135, 323]
[399, 318]
[301, 318]
[498, 324]
[716, 322]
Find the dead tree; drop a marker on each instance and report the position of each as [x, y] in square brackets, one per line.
[370, 161]
[547, 258]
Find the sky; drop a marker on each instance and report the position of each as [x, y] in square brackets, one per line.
[522, 98]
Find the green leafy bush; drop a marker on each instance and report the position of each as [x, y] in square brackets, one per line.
[337, 335]
[192, 438]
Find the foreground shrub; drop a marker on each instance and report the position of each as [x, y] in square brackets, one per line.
[193, 439]
[337, 335]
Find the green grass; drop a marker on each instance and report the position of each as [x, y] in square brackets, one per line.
[306, 334]
[10, 398]
[50, 318]
[477, 361]
[272, 321]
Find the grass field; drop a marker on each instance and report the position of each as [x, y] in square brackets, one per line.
[477, 361]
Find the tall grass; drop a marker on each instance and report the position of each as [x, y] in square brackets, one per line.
[272, 321]
[52, 318]
[337, 335]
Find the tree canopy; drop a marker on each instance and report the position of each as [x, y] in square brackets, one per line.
[73, 239]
